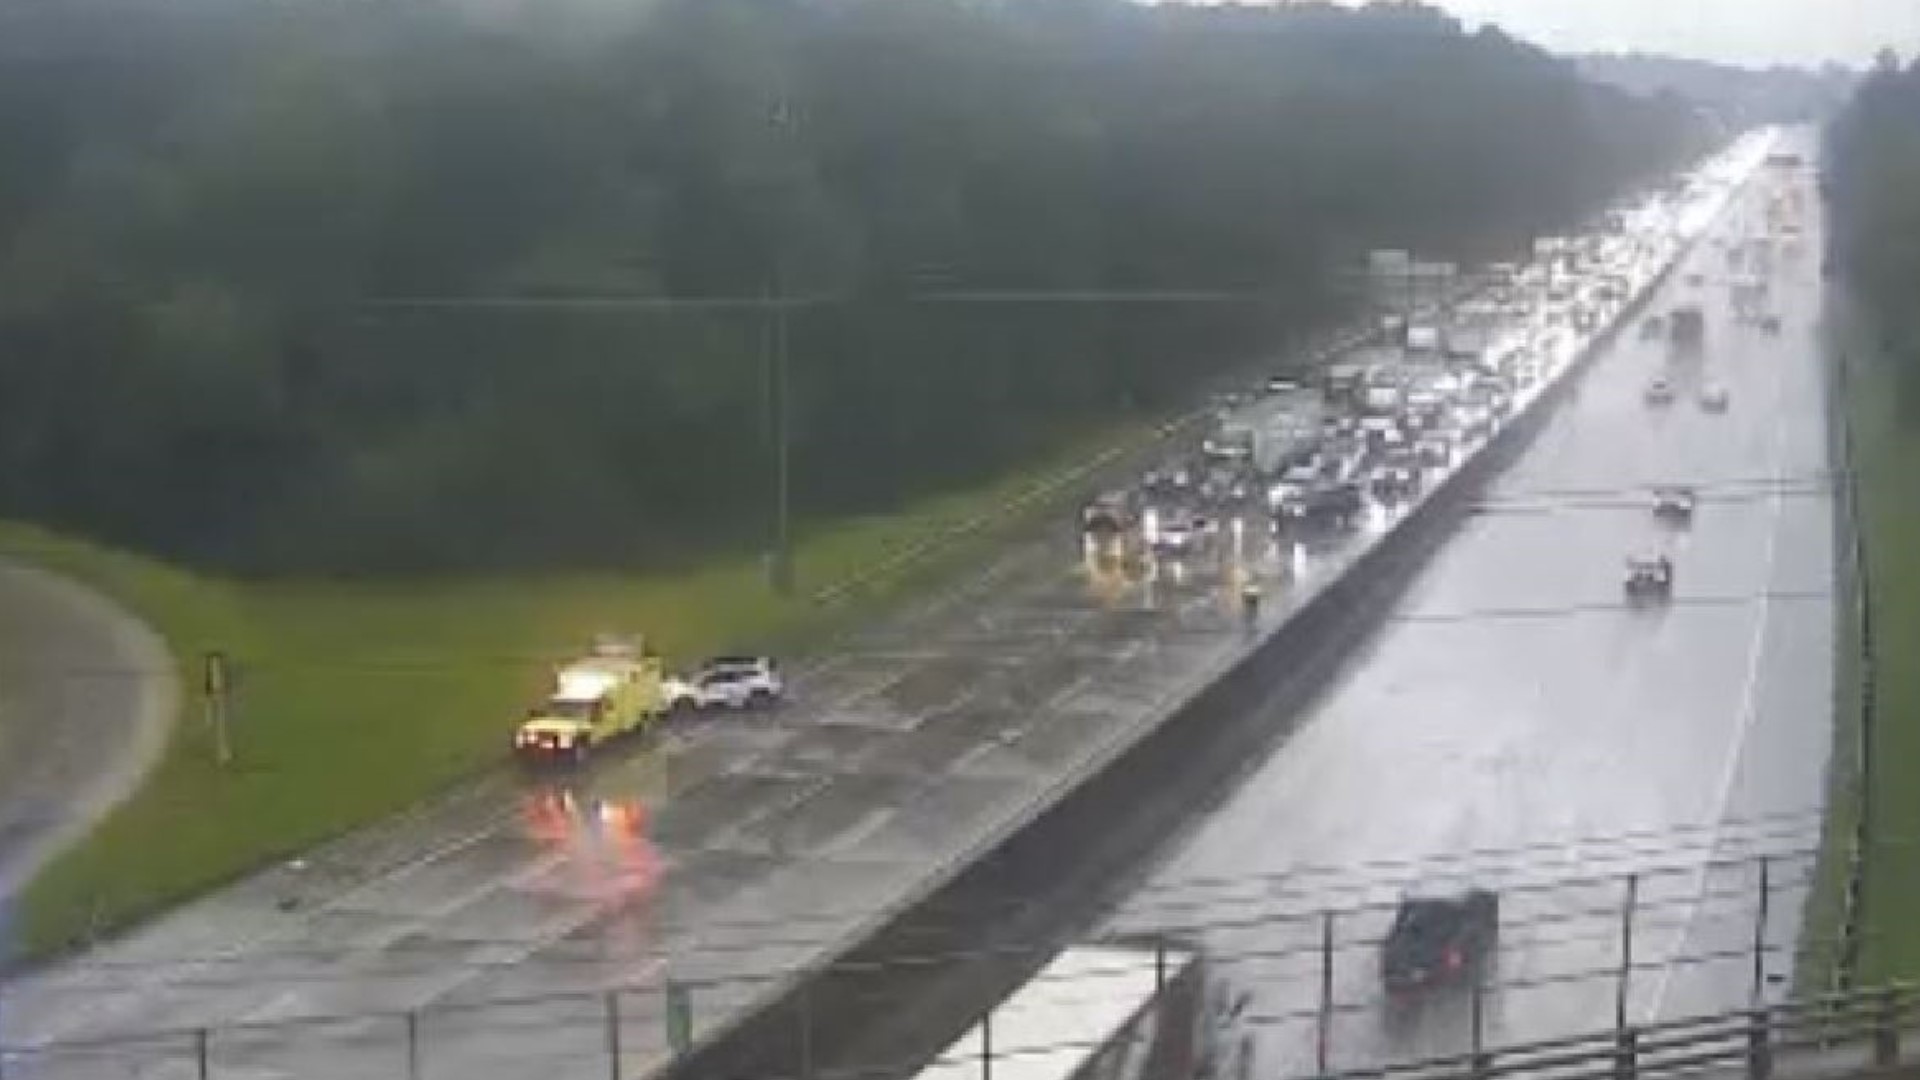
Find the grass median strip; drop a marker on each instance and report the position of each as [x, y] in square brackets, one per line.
[354, 700]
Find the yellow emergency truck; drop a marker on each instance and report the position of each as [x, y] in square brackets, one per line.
[616, 689]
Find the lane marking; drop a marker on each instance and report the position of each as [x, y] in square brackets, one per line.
[1749, 690]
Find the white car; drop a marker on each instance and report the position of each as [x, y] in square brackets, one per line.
[1659, 392]
[1674, 503]
[1178, 535]
[730, 682]
[1714, 398]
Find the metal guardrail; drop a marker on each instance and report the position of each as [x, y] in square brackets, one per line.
[1750, 1042]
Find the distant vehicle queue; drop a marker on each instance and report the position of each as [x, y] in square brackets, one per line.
[1304, 456]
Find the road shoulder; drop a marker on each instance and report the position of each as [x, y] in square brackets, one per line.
[88, 696]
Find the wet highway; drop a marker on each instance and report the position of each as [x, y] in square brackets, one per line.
[1516, 726]
[481, 935]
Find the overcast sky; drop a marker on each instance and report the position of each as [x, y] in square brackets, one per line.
[1737, 31]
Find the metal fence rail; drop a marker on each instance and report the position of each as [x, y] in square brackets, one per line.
[1316, 971]
[1856, 1031]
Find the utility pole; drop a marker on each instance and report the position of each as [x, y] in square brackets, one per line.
[780, 557]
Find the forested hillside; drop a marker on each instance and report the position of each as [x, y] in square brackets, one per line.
[372, 286]
[1735, 96]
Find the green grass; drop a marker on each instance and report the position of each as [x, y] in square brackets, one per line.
[355, 700]
[1888, 479]
[1889, 449]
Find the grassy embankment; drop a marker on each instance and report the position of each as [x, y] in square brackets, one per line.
[1888, 445]
[354, 700]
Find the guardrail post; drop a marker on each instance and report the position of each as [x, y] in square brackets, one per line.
[613, 1033]
[413, 1044]
[202, 1054]
[1627, 904]
[1759, 1045]
[1478, 1019]
[806, 1030]
[1886, 1027]
[1323, 1035]
[1760, 932]
[1626, 1054]
[986, 1046]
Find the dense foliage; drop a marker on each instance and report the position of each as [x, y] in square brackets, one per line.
[1736, 97]
[1872, 177]
[218, 220]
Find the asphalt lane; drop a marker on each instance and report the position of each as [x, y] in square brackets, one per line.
[86, 698]
[1515, 725]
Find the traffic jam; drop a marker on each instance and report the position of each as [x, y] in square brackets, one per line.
[1294, 467]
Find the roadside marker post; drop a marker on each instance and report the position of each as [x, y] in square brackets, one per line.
[217, 687]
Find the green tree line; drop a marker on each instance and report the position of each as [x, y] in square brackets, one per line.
[366, 287]
[1871, 173]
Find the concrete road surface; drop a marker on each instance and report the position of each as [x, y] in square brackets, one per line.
[87, 694]
[1515, 726]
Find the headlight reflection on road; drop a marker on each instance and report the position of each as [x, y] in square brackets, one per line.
[1108, 568]
[606, 851]
[1379, 517]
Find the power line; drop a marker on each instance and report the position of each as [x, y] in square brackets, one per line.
[1568, 611]
[425, 665]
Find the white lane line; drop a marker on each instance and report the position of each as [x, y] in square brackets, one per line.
[1749, 692]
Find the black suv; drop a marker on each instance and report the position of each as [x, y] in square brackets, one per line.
[1439, 939]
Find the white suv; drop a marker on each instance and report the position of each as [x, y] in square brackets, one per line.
[733, 682]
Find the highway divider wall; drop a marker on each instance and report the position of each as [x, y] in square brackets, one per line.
[988, 922]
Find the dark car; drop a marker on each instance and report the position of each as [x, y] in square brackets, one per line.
[1108, 514]
[1439, 939]
[1317, 508]
[1394, 483]
[1335, 504]
[1649, 577]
